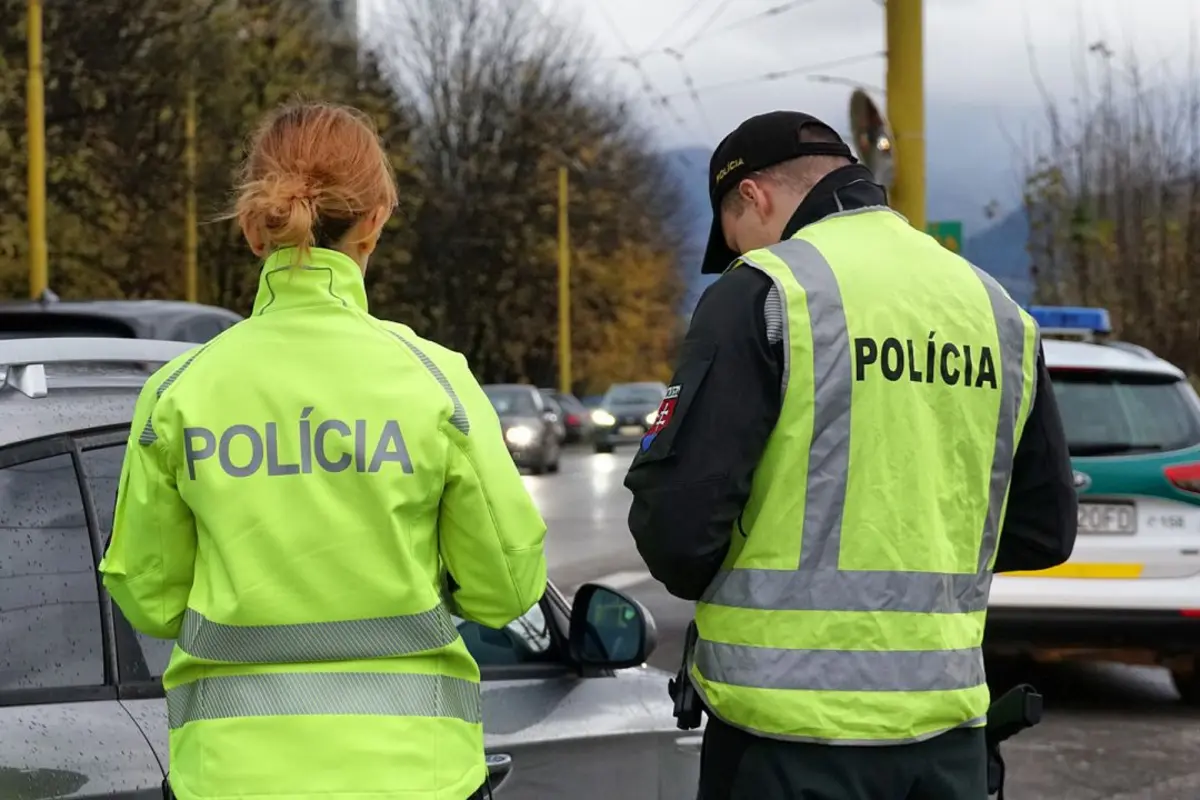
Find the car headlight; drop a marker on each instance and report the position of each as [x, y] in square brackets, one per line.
[651, 418]
[519, 435]
[602, 417]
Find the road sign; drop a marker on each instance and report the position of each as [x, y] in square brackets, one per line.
[948, 233]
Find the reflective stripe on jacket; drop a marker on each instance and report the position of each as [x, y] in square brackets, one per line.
[851, 606]
[293, 496]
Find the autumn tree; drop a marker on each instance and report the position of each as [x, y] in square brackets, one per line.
[502, 98]
[1113, 198]
[117, 77]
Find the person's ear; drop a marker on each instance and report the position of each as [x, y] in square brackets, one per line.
[748, 191]
[758, 197]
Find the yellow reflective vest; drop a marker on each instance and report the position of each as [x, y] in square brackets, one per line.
[851, 609]
[293, 494]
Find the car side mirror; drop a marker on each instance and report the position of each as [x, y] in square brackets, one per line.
[499, 767]
[609, 630]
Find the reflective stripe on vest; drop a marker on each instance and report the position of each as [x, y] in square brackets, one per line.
[297, 693]
[290, 693]
[818, 584]
[348, 640]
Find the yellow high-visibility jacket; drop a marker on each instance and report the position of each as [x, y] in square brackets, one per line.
[295, 495]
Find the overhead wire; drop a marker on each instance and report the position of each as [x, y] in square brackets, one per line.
[633, 61]
[690, 84]
[707, 24]
[780, 74]
[688, 12]
[705, 32]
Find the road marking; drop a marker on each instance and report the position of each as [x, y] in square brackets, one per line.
[622, 580]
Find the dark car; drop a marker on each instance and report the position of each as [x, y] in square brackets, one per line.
[576, 418]
[567, 709]
[170, 320]
[625, 414]
[531, 426]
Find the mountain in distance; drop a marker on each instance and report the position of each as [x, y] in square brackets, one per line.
[1000, 249]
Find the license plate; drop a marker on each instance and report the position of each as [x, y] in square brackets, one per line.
[1119, 518]
[630, 430]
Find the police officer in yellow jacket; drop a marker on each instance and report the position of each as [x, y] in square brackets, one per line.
[297, 493]
[860, 432]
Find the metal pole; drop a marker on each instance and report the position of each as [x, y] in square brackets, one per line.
[906, 106]
[564, 287]
[35, 113]
[191, 237]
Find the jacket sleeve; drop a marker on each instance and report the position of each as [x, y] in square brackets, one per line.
[150, 560]
[691, 477]
[1040, 520]
[490, 530]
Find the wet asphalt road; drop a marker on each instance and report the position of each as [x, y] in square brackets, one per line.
[1111, 732]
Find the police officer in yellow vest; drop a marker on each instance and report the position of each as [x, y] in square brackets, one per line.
[296, 494]
[860, 432]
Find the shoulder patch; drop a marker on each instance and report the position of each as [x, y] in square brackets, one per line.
[662, 417]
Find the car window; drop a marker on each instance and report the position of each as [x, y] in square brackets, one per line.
[635, 393]
[509, 402]
[49, 607]
[1110, 413]
[102, 473]
[560, 403]
[526, 640]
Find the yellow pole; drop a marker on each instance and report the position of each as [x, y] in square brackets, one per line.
[564, 287]
[35, 114]
[906, 106]
[190, 233]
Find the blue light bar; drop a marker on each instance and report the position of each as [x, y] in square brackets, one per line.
[1071, 318]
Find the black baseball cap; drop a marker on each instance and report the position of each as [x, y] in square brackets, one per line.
[758, 143]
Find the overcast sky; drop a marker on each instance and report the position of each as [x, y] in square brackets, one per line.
[981, 97]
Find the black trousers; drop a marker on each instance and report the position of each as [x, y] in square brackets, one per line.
[735, 765]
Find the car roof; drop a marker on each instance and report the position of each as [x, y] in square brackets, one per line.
[1112, 356]
[69, 407]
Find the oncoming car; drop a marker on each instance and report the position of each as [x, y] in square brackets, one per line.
[627, 411]
[569, 710]
[532, 428]
[1131, 590]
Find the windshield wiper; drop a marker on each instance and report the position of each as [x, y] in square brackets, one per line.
[1112, 448]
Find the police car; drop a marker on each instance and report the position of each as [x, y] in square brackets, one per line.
[1131, 590]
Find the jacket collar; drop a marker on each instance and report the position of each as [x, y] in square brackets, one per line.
[845, 189]
[324, 277]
